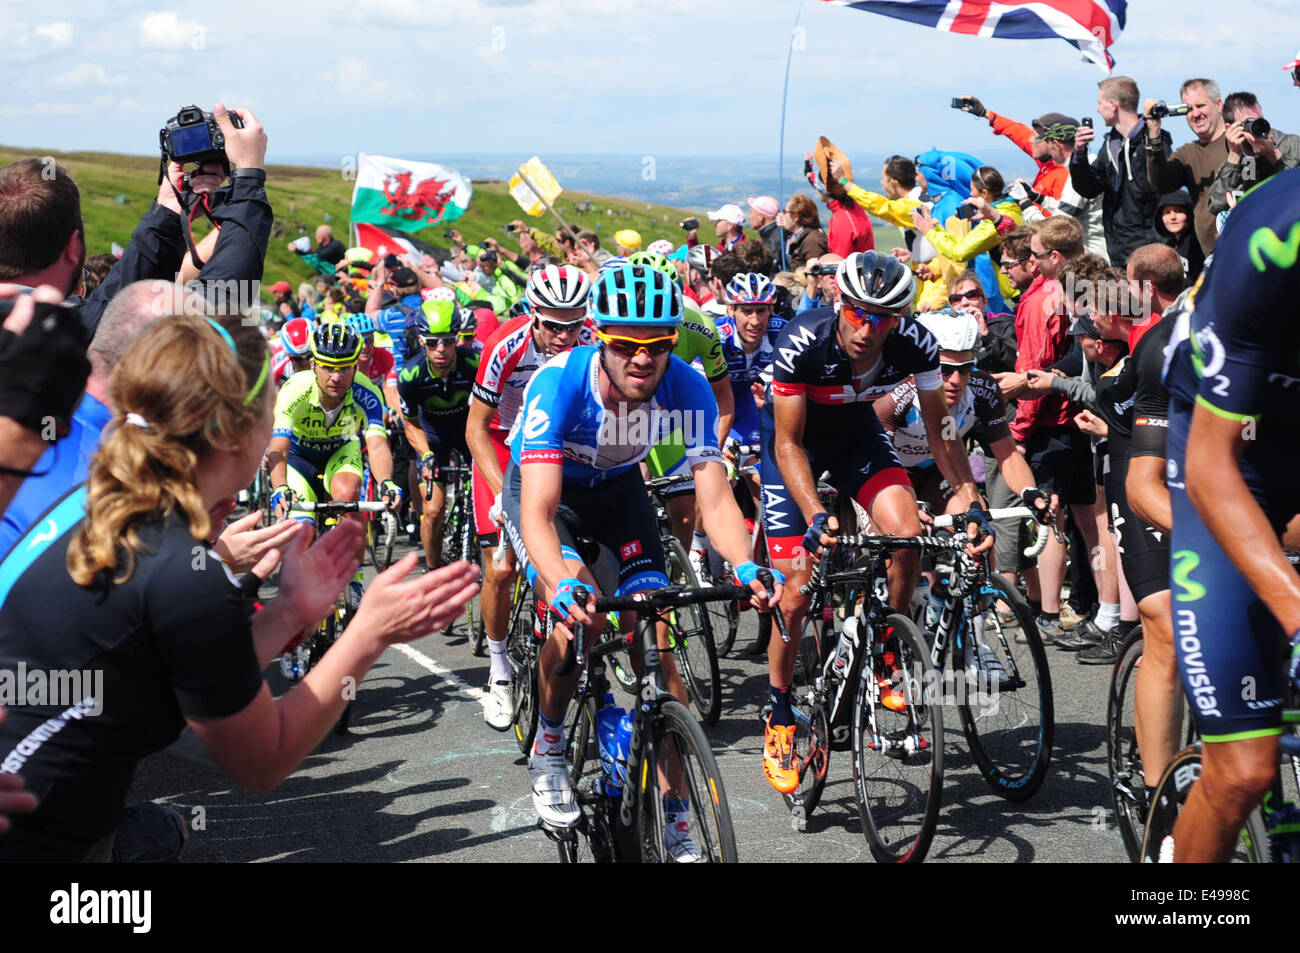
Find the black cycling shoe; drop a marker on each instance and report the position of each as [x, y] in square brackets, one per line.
[1104, 652]
[1083, 636]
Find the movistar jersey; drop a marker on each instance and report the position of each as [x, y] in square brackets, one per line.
[312, 432]
[440, 405]
[565, 421]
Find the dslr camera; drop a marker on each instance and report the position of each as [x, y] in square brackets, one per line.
[193, 135]
[1259, 128]
[1162, 109]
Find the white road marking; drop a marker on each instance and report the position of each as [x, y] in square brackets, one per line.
[478, 695]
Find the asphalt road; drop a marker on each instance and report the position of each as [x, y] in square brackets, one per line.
[421, 777]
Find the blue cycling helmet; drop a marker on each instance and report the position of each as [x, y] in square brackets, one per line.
[611, 263]
[635, 294]
[750, 288]
[361, 323]
[521, 307]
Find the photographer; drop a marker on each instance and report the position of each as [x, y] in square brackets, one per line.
[1046, 143]
[1194, 164]
[1256, 151]
[820, 290]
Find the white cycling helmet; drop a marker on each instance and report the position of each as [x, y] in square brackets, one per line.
[953, 330]
[881, 281]
[558, 286]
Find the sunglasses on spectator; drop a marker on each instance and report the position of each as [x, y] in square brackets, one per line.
[973, 295]
[859, 317]
[965, 367]
[1041, 254]
[631, 347]
[1009, 262]
[442, 340]
[559, 327]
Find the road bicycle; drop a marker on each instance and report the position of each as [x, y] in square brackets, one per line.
[667, 747]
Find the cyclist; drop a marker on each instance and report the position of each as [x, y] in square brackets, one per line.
[1231, 477]
[376, 363]
[294, 353]
[828, 368]
[697, 340]
[318, 420]
[434, 390]
[573, 473]
[552, 320]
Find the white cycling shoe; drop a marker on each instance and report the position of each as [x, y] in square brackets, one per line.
[499, 709]
[553, 798]
[680, 845]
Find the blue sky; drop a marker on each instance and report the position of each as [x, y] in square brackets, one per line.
[670, 77]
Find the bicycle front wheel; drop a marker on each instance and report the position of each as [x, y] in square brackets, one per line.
[1124, 761]
[592, 839]
[812, 735]
[522, 652]
[692, 640]
[1006, 705]
[702, 832]
[898, 745]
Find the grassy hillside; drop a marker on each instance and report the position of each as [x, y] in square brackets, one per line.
[116, 191]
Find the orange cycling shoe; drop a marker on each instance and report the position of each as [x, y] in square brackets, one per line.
[778, 757]
[890, 696]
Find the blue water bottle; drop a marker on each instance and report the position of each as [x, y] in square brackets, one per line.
[608, 719]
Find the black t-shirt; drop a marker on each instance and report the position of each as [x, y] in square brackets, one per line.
[1116, 389]
[172, 642]
[332, 251]
[1151, 406]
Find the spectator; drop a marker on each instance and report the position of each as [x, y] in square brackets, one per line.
[626, 241]
[959, 241]
[1118, 174]
[763, 210]
[756, 257]
[803, 226]
[1047, 143]
[328, 248]
[1174, 226]
[307, 298]
[995, 351]
[283, 301]
[1294, 68]
[697, 288]
[849, 229]
[1156, 280]
[507, 281]
[729, 226]
[1193, 165]
[900, 191]
[820, 287]
[96, 270]
[1251, 159]
[590, 243]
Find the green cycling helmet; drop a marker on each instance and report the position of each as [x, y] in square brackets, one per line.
[658, 262]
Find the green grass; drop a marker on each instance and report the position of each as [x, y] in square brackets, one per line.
[116, 191]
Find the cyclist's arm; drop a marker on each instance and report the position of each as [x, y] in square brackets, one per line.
[790, 412]
[1015, 471]
[1229, 510]
[479, 439]
[392, 400]
[381, 457]
[1148, 496]
[950, 455]
[540, 486]
[277, 460]
[416, 436]
[726, 399]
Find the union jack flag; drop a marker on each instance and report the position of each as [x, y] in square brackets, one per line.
[1091, 26]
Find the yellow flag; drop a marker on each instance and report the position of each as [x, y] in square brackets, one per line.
[540, 177]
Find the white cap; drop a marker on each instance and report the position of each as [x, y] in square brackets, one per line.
[728, 213]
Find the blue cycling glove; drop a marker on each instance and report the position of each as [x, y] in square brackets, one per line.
[748, 572]
[563, 602]
[979, 516]
[812, 540]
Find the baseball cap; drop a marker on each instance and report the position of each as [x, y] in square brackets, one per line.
[1054, 127]
[728, 213]
[661, 246]
[281, 286]
[764, 205]
[1083, 326]
[404, 278]
[628, 238]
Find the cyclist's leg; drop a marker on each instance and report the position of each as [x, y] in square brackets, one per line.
[1230, 662]
[342, 478]
[784, 528]
[433, 499]
[494, 595]
[873, 476]
[303, 477]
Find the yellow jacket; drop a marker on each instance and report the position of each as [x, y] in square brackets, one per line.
[894, 211]
[957, 241]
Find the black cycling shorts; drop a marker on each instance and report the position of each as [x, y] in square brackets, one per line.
[1143, 550]
[1061, 460]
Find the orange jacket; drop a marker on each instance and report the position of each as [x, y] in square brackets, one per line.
[1052, 176]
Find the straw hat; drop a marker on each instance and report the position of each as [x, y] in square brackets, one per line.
[823, 152]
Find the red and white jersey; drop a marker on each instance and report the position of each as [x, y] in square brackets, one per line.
[507, 365]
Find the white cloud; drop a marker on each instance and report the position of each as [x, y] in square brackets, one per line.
[356, 82]
[87, 74]
[164, 30]
[58, 33]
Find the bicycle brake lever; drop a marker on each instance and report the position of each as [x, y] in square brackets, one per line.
[765, 577]
[575, 656]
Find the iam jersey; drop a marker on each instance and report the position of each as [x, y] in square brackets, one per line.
[809, 361]
[563, 419]
[507, 364]
[980, 406]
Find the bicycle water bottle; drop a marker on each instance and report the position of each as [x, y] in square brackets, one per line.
[609, 718]
[842, 661]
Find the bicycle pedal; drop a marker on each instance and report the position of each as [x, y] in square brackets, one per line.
[565, 835]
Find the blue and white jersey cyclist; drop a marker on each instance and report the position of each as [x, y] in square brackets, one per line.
[749, 334]
[589, 416]
[1234, 382]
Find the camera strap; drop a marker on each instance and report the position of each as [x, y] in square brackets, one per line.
[192, 203]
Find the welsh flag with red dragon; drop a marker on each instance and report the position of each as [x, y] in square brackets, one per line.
[407, 196]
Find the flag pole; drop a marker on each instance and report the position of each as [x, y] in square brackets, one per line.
[780, 154]
[549, 207]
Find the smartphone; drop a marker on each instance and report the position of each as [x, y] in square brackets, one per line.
[449, 234]
[965, 211]
[959, 103]
[1087, 121]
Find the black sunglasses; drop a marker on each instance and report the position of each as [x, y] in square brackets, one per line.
[965, 367]
[960, 295]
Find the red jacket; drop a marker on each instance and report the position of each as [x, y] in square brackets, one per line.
[850, 228]
[1052, 176]
[1042, 339]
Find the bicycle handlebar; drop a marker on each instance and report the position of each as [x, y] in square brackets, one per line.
[1014, 512]
[330, 507]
